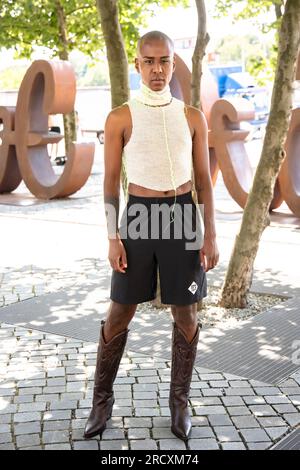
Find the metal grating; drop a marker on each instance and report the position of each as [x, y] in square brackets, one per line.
[260, 349]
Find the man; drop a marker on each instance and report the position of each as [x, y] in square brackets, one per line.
[160, 139]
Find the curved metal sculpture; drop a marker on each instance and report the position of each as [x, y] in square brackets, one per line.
[289, 175]
[48, 87]
[226, 140]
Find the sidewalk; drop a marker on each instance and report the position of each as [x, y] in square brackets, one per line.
[46, 379]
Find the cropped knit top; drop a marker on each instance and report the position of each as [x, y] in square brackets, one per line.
[158, 154]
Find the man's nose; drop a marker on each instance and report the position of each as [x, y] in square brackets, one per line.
[157, 67]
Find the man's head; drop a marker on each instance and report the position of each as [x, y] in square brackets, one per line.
[155, 59]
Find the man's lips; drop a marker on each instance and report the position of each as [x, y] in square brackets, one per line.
[158, 80]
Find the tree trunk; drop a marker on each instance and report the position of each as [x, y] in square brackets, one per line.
[69, 119]
[199, 52]
[255, 218]
[117, 60]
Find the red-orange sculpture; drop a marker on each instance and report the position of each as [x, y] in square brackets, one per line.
[48, 87]
[227, 141]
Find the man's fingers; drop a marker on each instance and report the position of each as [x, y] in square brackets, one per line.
[203, 260]
[124, 258]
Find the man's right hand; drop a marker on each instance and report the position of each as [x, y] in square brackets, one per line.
[117, 255]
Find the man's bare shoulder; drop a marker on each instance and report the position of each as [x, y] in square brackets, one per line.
[118, 113]
[197, 117]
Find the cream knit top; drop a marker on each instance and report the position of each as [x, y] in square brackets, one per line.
[158, 154]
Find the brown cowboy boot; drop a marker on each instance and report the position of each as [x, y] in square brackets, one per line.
[108, 359]
[183, 358]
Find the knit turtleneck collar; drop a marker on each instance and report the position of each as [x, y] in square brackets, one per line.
[153, 98]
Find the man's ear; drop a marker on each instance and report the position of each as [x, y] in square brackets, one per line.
[137, 65]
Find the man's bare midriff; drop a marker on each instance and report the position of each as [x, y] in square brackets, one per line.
[137, 190]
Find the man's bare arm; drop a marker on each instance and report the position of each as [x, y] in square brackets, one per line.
[112, 171]
[203, 183]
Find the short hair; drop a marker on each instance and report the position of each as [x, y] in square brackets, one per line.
[153, 36]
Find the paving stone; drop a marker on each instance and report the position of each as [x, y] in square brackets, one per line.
[197, 420]
[55, 437]
[147, 444]
[162, 433]
[58, 372]
[131, 422]
[258, 445]
[7, 446]
[148, 380]
[210, 410]
[30, 391]
[28, 440]
[271, 422]
[138, 433]
[262, 410]
[254, 400]
[114, 445]
[212, 392]
[47, 398]
[240, 391]
[277, 432]
[227, 433]
[239, 383]
[4, 428]
[148, 387]
[277, 399]
[27, 417]
[5, 438]
[201, 432]
[29, 407]
[232, 401]
[112, 434]
[292, 418]
[79, 423]
[233, 446]
[161, 422]
[9, 408]
[245, 422]
[212, 376]
[57, 415]
[86, 445]
[264, 391]
[218, 383]
[143, 403]
[23, 399]
[205, 401]
[172, 444]
[220, 420]
[57, 447]
[56, 425]
[122, 411]
[5, 418]
[63, 405]
[285, 408]
[203, 444]
[145, 395]
[139, 412]
[238, 410]
[165, 411]
[27, 428]
[295, 399]
[254, 435]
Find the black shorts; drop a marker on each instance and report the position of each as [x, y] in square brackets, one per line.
[154, 242]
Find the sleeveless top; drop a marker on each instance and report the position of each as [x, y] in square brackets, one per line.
[158, 154]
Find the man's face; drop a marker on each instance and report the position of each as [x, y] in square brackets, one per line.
[156, 64]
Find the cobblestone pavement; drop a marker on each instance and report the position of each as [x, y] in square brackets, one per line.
[46, 380]
[46, 390]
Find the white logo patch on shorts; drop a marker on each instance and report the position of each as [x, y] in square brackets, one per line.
[193, 287]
